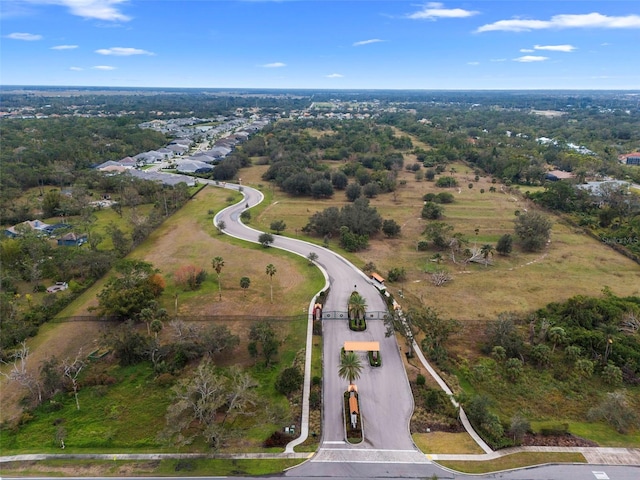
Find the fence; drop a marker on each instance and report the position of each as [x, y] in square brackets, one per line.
[338, 315]
[187, 318]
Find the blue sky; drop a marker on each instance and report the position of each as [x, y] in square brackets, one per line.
[321, 44]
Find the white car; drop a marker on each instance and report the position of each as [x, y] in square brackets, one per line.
[58, 287]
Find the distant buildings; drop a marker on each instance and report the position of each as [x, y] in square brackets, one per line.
[630, 158]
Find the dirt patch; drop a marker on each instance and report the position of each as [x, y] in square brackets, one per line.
[556, 441]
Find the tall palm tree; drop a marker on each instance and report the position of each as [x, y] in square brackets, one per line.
[357, 306]
[217, 264]
[271, 271]
[350, 367]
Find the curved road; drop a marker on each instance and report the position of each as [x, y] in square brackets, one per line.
[385, 396]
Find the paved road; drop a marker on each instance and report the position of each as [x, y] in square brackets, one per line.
[385, 395]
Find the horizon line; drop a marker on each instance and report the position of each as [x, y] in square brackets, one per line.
[541, 89]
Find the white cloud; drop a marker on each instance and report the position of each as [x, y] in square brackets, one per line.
[588, 20]
[473, 63]
[98, 9]
[64, 47]
[367, 42]
[76, 69]
[530, 58]
[334, 75]
[123, 51]
[527, 50]
[556, 48]
[434, 10]
[27, 37]
[103, 67]
[274, 65]
[498, 60]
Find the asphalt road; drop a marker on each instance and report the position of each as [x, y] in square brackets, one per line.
[385, 396]
[380, 471]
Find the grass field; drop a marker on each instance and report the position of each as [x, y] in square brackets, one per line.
[572, 264]
[130, 468]
[515, 460]
[442, 442]
[186, 237]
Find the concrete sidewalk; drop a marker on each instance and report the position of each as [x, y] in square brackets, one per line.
[593, 455]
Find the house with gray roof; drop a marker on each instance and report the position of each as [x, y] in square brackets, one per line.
[170, 179]
[193, 166]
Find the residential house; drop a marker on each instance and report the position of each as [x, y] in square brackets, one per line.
[37, 225]
[170, 179]
[630, 158]
[555, 175]
[193, 166]
[72, 239]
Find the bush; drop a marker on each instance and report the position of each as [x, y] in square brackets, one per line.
[445, 182]
[432, 211]
[445, 197]
[190, 277]
[314, 399]
[277, 439]
[289, 381]
[397, 274]
[421, 380]
[423, 246]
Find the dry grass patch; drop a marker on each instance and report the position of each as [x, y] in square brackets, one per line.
[573, 264]
[443, 442]
[516, 460]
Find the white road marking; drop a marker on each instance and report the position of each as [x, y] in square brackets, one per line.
[600, 475]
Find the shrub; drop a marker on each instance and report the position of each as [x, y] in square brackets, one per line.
[446, 181]
[397, 274]
[289, 381]
[190, 277]
[432, 211]
[277, 439]
[314, 399]
[445, 197]
[421, 380]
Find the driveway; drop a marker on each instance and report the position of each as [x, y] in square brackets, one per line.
[385, 397]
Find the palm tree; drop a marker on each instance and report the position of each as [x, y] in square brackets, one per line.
[271, 271]
[244, 284]
[557, 335]
[217, 264]
[350, 367]
[486, 250]
[610, 334]
[357, 307]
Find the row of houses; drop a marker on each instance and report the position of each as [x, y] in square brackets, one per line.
[200, 162]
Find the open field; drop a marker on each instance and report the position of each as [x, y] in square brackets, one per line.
[572, 264]
[189, 237]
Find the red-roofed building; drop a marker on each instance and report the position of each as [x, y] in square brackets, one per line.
[630, 158]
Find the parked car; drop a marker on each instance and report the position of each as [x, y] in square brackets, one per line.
[58, 287]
